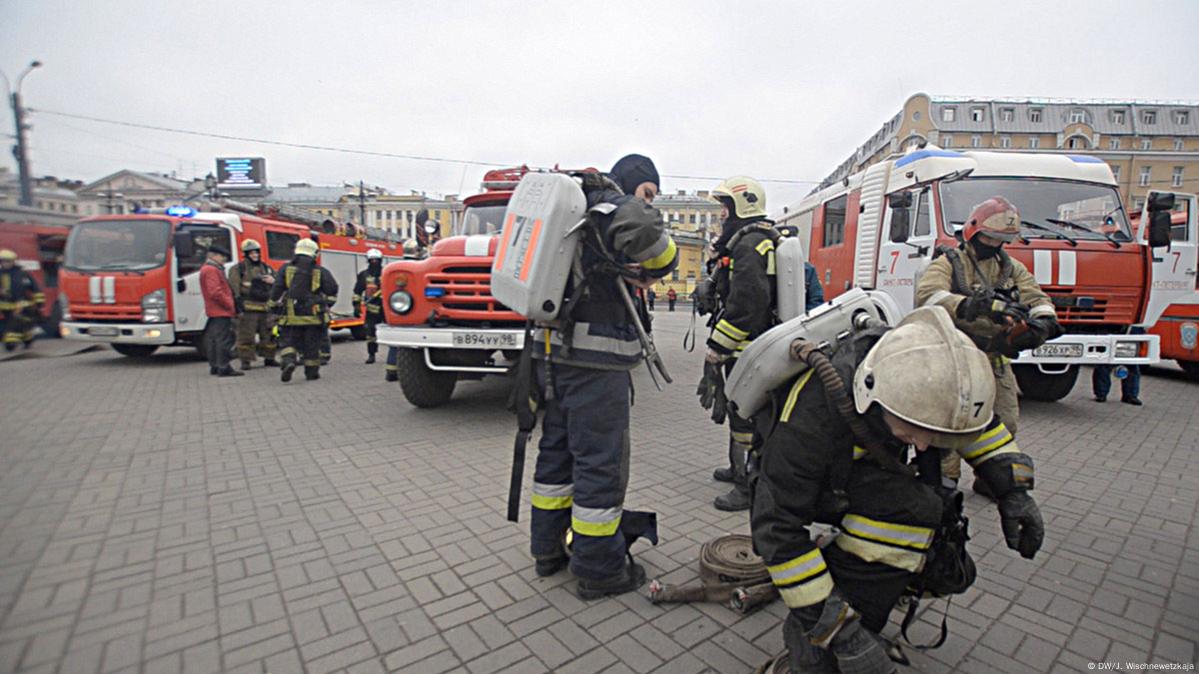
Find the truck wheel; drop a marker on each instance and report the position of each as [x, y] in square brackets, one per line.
[1191, 368]
[358, 332]
[135, 350]
[421, 386]
[1037, 385]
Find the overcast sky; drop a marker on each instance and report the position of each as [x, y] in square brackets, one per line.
[779, 90]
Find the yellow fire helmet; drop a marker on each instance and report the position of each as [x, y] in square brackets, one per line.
[928, 373]
[747, 195]
[249, 245]
[306, 247]
[8, 255]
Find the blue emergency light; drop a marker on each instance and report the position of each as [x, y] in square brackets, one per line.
[434, 292]
[181, 211]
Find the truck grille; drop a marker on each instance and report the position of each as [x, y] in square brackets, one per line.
[1114, 306]
[468, 294]
[117, 313]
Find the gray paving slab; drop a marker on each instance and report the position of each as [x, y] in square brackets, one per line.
[155, 518]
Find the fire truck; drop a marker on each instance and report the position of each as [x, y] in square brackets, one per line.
[132, 281]
[1176, 294]
[1075, 239]
[39, 252]
[439, 310]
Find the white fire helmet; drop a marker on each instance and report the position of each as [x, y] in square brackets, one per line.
[928, 373]
[374, 254]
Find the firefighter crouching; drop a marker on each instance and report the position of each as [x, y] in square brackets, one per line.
[829, 459]
[744, 286]
[251, 280]
[993, 299]
[302, 295]
[368, 292]
[21, 302]
[583, 460]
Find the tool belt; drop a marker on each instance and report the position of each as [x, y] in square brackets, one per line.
[729, 573]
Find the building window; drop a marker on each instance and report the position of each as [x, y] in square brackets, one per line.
[1178, 144]
[1034, 115]
[1077, 143]
[976, 141]
[1113, 143]
[1145, 173]
[946, 141]
[1034, 142]
[1007, 114]
[977, 114]
[834, 221]
[1146, 144]
[1077, 116]
[1116, 172]
[949, 114]
[1176, 179]
[1117, 116]
[1182, 117]
[1005, 141]
[1149, 116]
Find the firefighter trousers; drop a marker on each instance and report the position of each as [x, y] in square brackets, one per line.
[1007, 408]
[741, 441]
[372, 331]
[218, 342]
[251, 326]
[582, 469]
[393, 359]
[302, 343]
[17, 328]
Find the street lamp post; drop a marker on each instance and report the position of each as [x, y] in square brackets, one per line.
[21, 151]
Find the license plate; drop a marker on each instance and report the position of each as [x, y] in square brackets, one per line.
[485, 339]
[1058, 350]
[102, 332]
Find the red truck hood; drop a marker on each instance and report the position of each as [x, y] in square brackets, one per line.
[1092, 283]
[110, 295]
[481, 245]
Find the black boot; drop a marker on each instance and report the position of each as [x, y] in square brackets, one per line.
[289, 367]
[724, 475]
[245, 365]
[737, 499]
[229, 372]
[629, 579]
[552, 565]
[392, 375]
[269, 362]
[312, 372]
[370, 359]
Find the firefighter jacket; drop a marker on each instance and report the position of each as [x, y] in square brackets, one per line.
[250, 290]
[303, 293]
[368, 290]
[18, 290]
[745, 285]
[938, 286]
[813, 470]
[595, 329]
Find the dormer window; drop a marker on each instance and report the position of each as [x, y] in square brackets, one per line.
[1034, 115]
[1149, 116]
[949, 114]
[1117, 117]
[1077, 116]
[977, 114]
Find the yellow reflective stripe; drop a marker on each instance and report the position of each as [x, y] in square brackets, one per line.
[987, 442]
[905, 535]
[766, 245]
[795, 389]
[724, 340]
[552, 502]
[664, 258]
[743, 438]
[595, 521]
[771, 269]
[859, 453]
[908, 560]
[731, 330]
[796, 570]
[806, 594]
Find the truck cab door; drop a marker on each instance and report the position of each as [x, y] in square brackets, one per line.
[901, 262]
[186, 298]
[1176, 265]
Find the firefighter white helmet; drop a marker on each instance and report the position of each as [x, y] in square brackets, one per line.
[411, 247]
[928, 373]
[249, 245]
[306, 247]
[374, 254]
[747, 195]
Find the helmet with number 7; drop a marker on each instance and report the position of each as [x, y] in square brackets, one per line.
[996, 217]
[928, 373]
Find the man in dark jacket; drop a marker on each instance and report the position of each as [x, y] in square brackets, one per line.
[583, 459]
[220, 309]
[302, 295]
[745, 287]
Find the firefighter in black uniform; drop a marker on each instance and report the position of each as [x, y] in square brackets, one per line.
[21, 302]
[583, 456]
[744, 282]
[302, 295]
[368, 291]
[839, 461]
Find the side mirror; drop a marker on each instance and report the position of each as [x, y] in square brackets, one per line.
[422, 216]
[181, 285]
[900, 216]
[185, 245]
[1159, 227]
[1161, 201]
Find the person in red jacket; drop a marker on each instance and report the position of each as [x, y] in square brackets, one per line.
[220, 309]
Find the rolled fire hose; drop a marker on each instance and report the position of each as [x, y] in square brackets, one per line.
[729, 573]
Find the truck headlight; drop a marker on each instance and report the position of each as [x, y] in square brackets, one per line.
[1127, 349]
[154, 307]
[401, 302]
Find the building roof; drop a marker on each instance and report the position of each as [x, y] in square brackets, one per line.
[1107, 117]
[303, 193]
[165, 182]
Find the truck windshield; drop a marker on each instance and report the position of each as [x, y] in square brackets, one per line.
[482, 220]
[1080, 210]
[134, 245]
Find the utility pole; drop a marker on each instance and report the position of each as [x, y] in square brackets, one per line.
[362, 203]
[20, 151]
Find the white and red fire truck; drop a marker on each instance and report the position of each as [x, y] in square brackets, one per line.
[1076, 241]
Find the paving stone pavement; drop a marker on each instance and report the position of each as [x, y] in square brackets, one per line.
[156, 519]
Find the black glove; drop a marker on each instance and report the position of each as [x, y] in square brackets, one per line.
[1023, 528]
[711, 392]
[1038, 330]
[985, 305]
[834, 625]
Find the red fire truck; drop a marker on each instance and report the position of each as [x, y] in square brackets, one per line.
[1076, 241]
[39, 253]
[440, 311]
[1175, 296]
[133, 280]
